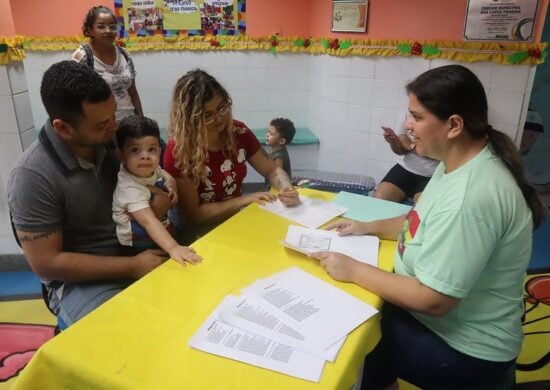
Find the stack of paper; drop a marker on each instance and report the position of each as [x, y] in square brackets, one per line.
[311, 212]
[307, 241]
[291, 322]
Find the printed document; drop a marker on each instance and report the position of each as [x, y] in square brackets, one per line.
[311, 212]
[362, 248]
[316, 309]
[255, 316]
[219, 338]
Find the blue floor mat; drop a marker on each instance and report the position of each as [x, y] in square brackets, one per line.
[19, 285]
[540, 259]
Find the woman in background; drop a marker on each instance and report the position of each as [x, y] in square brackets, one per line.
[453, 306]
[207, 154]
[108, 59]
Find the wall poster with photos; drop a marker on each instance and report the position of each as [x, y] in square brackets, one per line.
[180, 17]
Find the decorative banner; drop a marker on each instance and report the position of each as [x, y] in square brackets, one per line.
[349, 16]
[514, 53]
[180, 17]
[501, 20]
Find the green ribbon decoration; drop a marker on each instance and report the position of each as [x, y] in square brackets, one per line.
[344, 44]
[299, 42]
[404, 48]
[518, 57]
[430, 50]
[325, 43]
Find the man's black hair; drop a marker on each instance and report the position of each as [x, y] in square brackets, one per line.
[66, 85]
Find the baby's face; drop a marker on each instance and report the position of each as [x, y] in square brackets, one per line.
[141, 156]
[272, 137]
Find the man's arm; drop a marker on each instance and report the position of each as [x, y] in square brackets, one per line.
[43, 251]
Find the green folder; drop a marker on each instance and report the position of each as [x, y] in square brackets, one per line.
[366, 208]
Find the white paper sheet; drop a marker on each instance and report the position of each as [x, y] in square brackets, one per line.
[311, 213]
[257, 317]
[304, 240]
[316, 309]
[220, 338]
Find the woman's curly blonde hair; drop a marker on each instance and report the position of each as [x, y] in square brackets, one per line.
[186, 123]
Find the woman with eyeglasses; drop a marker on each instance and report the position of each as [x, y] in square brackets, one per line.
[111, 61]
[207, 154]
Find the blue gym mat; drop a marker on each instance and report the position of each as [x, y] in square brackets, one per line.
[18, 285]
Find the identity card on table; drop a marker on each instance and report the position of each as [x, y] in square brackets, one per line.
[362, 248]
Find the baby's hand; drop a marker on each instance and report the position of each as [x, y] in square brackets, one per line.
[184, 254]
[173, 195]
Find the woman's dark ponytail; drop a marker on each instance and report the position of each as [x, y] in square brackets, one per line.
[505, 149]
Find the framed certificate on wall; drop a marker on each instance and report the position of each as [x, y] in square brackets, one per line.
[349, 15]
[500, 20]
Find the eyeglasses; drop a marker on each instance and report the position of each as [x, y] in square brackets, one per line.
[105, 27]
[222, 110]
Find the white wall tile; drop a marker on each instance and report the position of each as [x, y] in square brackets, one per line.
[337, 66]
[379, 150]
[357, 143]
[411, 67]
[256, 60]
[359, 118]
[23, 111]
[360, 91]
[16, 74]
[7, 113]
[384, 117]
[28, 137]
[5, 89]
[10, 150]
[335, 114]
[361, 67]
[257, 79]
[337, 88]
[510, 78]
[333, 139]
[505, 107]
[387, 68]
[385, 93]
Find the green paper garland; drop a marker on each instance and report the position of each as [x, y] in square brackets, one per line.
[344, 44]
[430, 50]
[517, 57]
[404, 48]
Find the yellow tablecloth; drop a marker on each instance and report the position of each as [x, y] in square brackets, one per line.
[139, 338]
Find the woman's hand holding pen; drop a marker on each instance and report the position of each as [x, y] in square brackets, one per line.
[289, 196]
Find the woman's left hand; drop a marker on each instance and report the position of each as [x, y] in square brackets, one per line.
[339, 266]
[289, 196]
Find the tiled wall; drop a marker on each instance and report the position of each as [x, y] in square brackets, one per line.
[16, 132]
[343, 100]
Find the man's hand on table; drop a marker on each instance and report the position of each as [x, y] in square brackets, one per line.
[147, 261]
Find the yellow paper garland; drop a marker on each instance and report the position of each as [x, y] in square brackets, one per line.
[451, 50]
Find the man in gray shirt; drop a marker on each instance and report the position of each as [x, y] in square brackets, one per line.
[60, 196]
